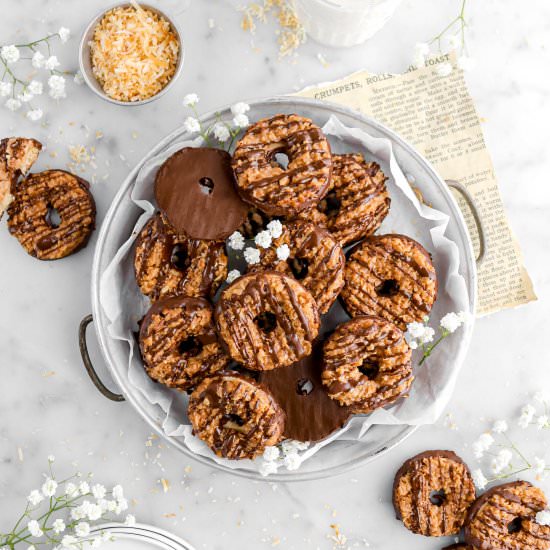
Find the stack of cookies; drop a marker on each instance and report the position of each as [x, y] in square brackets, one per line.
[260, 356]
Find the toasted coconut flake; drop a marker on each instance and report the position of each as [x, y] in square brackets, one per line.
[134, 53]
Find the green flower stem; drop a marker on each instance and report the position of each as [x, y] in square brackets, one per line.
[428, 349]
[519, 453]
[461, 17]
[35, 42]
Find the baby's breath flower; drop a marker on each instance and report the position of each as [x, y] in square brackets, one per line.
[99, 491]
[539, 464]
[36, 87]
[450, 322]
[236, 241]
[25, 96]
[251, 255]
[482, 444]
[542, 421]
[240, 108]
[71, 490]
[5, 89]
[84, 488]
[190, 100]
[268, 467]
[263, 239]
[271, 453]
[10, 54]
[240, 121]
[480, 480]
[51, 63]
[82, 529]
[130, 520]
[292, 461]
[543, 517]
[121, 505]
[94, 512]
[118, 492]
[191, 124]
[283, 252]
[293, 446]
[232, 275]
[49, 488]
[35, 497]
[527, 413]
[38, 60]
[413, 344]
[444, 69]
[59, 526]
[57, 86]
[501, 461]
[64, 34]
[78, 78]
[13, 104]
[500, 427]
[34, 528]
[220, 131]
[275, 227]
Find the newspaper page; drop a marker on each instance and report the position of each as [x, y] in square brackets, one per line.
[437, 115]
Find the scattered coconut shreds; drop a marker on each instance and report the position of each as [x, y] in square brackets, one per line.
[134, 53]
[20, 454]
[165, 485]
[290, 32]
[337, 537]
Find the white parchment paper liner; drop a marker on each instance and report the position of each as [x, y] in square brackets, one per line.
[124, 305]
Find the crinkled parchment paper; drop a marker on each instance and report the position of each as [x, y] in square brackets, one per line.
[124, 305]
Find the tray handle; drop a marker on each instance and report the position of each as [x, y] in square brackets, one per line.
[467, 196]
[104, 390]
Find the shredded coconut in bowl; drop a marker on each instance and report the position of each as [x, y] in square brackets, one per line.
[134, 53]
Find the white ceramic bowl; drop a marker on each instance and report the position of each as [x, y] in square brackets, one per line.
[85, 60]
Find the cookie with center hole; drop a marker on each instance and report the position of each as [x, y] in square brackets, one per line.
[267, 320]
[314, 258]
[170, 264]
[52, 214]
[235, 416]
[283, 164]
[391, 276]
[367, 364]
[179, 344]
[432, 493]
[505, 517]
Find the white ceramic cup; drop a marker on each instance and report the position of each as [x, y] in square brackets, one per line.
[344, 22]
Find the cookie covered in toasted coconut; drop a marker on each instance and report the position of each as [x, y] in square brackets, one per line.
[267, 320]
[271, 186]
[432, 493]
[312, 256]
[505, 517]
[178, 343]
[52, 214]
[357, 201]
[367, 364]
[391, 276]
[235, 416]
[170, 264]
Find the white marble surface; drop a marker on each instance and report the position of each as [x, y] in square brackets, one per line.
[48, 404]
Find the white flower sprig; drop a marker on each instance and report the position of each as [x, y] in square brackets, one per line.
[222, 131]
[21, 91]
[454, 35]
[285, 454]
[60, 514]
[501, 455]
[420, 335]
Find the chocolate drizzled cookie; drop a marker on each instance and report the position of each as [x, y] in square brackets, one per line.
[17, 155]
[52, 214]
[316, 260]
[273, 188]
[169, 264]
[267, 320]
[432, 493]
[235, 416]
[367, 364]
[391, 276]
[504, 518]
[357, 201]
[178, 343]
